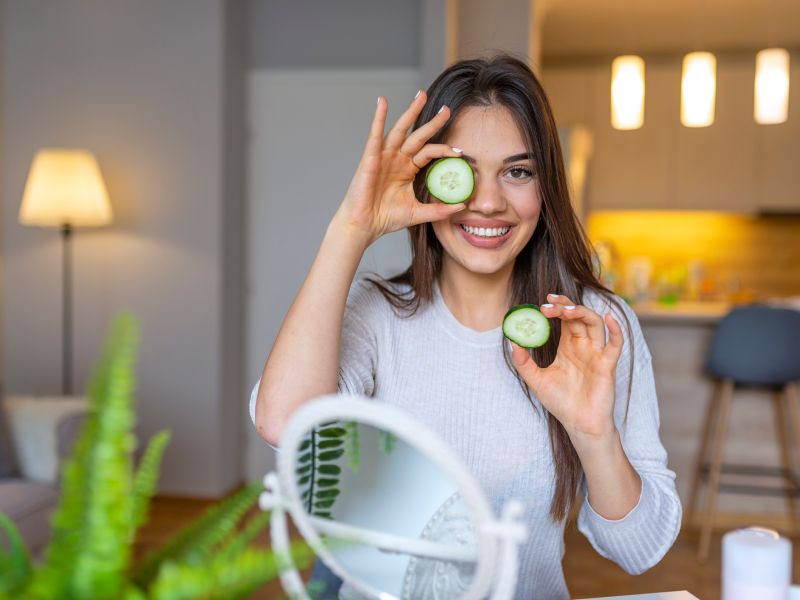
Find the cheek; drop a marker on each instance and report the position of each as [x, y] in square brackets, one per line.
[527, 203]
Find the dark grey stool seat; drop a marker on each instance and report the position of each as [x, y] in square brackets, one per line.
[754, 346]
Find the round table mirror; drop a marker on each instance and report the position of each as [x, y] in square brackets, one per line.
[388, 507]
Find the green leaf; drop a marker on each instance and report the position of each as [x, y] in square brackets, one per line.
[330, 469]
[303, 470]
[144, 483]
[15, 567]
[304, 480]
[329, 455]
[325, 444]
[324, 503]
[352, 449]
[324, 515]
[305, 458]
[304, 446]
[386, 442]
[332, 432]
[324, 483]
[327, 493]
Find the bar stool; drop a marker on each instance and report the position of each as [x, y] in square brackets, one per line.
[754, 346]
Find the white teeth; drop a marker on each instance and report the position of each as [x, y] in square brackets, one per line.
[486, 231]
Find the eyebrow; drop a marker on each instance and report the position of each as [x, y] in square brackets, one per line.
[510, 159]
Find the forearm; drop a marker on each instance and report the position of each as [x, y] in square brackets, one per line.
[614, 485]
[304, 361]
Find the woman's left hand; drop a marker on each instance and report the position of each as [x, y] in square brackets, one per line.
[578, 387]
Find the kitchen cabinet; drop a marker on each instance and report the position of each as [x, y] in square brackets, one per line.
[734, 165]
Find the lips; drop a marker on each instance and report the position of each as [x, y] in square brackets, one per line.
[489, 229]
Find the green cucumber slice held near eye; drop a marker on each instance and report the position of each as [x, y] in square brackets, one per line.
[526, 326]
[450, 180]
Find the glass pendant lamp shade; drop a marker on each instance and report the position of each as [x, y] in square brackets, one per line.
[772, 86]
[65, 187]
[698, 89]
[627, 92]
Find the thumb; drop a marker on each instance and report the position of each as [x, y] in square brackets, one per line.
[435, 211]
[524, 364]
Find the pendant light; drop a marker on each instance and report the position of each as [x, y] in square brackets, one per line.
[698, 89]
[771, 86]
[627, 92]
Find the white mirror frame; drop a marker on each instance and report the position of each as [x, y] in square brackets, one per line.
[495, 572]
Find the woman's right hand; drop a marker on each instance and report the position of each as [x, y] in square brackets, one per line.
[381, 197]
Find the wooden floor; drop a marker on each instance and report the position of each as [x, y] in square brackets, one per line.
[586, 572]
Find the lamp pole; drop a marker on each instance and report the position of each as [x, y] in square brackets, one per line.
[66, 316]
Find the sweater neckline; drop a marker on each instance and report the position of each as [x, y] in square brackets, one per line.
[456, 328]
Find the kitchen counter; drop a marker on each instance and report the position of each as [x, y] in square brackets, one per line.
[681, 312]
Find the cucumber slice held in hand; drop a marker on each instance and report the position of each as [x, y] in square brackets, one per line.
[450, 180]
[526, 326]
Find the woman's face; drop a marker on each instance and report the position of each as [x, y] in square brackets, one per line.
[504, 208]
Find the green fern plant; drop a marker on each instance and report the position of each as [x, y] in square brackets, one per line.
[104, 500]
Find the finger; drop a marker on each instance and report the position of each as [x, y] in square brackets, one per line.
[400, 129]
[523, 363]
[566, 312]
[375, 138]
[431, 151]
[420, 136]
[590, 323]
[435, 211]
[613, 349]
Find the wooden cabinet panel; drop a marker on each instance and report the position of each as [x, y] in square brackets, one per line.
[633, 169]
[715, 164]
[778, 156]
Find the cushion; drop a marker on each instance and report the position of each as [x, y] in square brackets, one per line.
[33, 421]
[29, 505]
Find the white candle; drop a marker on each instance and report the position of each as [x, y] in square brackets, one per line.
[756, 565]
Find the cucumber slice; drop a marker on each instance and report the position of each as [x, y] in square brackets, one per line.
[526, 326]
[450, 180]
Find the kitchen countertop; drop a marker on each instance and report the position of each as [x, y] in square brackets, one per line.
[700, 313]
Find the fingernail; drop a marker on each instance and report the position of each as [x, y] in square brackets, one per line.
[457, 150]
[379, 100]
[552, 295]
[440, 110]
[418, 93]
[547, 306]
[570, 307]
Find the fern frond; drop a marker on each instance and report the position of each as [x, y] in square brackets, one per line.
[93, 531]
[15, 565]
[352, 446]
[146, 478]
[238, 541]
[224, 576]
[194, 542]
[386, 442]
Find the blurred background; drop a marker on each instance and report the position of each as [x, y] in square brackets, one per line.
[226, 133]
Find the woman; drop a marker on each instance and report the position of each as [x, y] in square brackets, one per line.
[580, 412]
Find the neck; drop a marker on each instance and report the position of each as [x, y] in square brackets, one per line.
[479, 301]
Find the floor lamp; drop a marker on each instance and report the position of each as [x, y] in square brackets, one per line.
[65, 190]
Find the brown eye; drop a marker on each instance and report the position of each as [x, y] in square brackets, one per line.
[519, 173]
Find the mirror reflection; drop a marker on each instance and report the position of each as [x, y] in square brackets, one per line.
[390, 516]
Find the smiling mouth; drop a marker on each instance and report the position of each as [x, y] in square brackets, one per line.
[486, 232]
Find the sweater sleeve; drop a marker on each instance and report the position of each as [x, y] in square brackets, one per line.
[358, 354]
[641, 538]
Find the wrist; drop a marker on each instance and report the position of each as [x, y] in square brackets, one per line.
[599, 442]
[349, 233]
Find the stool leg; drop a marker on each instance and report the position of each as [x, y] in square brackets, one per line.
[701, 456]
[715, 469]
[786, 455]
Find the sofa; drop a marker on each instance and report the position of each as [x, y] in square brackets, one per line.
[28, 496]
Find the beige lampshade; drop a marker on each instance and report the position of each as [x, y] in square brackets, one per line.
[65, 187]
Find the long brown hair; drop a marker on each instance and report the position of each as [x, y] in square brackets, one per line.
[558, 257]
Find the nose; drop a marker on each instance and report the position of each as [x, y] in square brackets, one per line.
[487, 197]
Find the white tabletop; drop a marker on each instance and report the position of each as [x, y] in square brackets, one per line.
[655, 596]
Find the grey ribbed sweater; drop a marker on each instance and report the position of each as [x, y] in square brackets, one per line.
[455, 379]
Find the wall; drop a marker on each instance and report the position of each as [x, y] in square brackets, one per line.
[147, 87]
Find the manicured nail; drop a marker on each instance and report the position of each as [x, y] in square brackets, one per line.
[547, 306]
[552, 295]
[379, 100]
[418, 93]
[570, 307]
[440, 110]
[457, 150]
